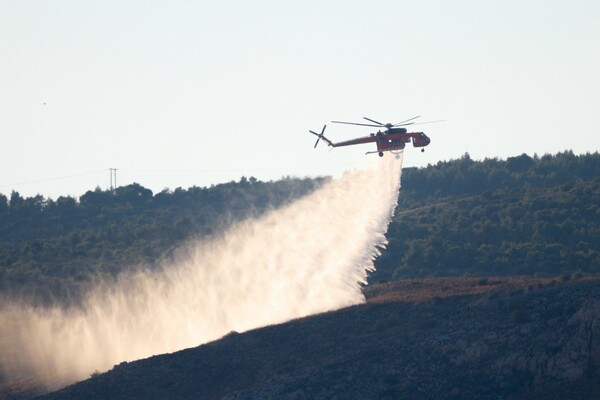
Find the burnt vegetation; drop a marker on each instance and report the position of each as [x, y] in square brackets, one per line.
[526, 338]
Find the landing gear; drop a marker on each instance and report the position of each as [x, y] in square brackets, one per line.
[422, 150]
[381, 154]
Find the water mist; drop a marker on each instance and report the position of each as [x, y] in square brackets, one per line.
[308, 257]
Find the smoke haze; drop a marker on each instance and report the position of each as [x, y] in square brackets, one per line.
[308, 257]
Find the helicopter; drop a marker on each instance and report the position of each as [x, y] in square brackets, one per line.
[393, 138]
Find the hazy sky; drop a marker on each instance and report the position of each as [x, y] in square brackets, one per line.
[182, 93]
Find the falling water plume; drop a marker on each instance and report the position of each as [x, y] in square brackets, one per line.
[308, 257]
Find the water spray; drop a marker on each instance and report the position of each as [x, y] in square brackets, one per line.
[308, 257]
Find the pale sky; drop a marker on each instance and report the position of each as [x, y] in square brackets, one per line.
[182, 93]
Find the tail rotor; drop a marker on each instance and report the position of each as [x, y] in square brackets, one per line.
[320, 136]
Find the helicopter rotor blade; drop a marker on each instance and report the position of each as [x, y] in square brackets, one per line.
[355, 123]
[430, 122]
[405, 122]
[372, 120]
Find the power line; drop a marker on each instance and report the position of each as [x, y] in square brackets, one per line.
[204, 171]
[56, 178]
[113, 173]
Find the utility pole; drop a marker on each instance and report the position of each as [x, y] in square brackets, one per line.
[113, 178]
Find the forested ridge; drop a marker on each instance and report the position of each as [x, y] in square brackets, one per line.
[53, 249]
[520, 216]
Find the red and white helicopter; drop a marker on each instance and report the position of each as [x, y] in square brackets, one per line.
[393, 138]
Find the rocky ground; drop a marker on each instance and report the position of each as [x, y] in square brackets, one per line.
[415, 339]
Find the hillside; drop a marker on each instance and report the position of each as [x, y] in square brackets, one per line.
[419, 339]
[517, 242]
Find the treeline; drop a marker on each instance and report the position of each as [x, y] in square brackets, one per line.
[53, 249]
[520, 216]
[465, 176]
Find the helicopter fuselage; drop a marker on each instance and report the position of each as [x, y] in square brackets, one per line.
[391, 139]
